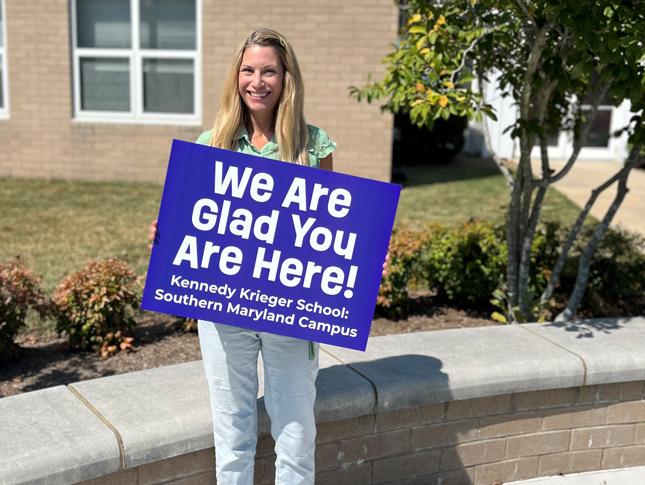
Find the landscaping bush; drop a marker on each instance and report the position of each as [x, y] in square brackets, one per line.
[404, 269]
[467, 263]
[616, 273]
[19, 293]
[94, 306]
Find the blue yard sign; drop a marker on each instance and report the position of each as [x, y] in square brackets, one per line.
[269, 246]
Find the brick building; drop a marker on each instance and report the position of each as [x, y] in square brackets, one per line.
[97, 90]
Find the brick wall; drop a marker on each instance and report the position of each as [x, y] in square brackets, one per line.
[475, 441]
[337, 43]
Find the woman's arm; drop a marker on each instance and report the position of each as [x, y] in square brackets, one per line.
[327, 163]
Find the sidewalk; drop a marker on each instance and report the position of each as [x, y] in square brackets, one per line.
[587, 175]
[623, 476]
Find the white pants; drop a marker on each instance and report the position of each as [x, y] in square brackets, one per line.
[230, 356]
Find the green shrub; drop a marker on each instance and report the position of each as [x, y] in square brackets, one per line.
[467, 263]
[547, 244]
[19, 292]
[616, 273]
[94, 306]
[404, 269]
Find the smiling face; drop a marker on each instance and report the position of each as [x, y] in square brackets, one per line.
[260, 79]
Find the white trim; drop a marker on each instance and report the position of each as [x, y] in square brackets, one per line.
[4, 109]
[161, 119]
[197, 79]
[136, 74]
[135, 55]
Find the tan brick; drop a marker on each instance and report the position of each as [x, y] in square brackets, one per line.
[40, 77]
[351, 475]
[537, 444]
[451, 477]
[599, 393]
[123, 477]
[177, 467]
[544, 399]
[374, 446]
[503, 471]
[408, 417]
[639, 434]
[575, 461]
[265, 446]
[631, 391]
[485, 406]
[264, 471]
[406, 466]
[457, 477]
[416, 480]
[443, 434]
[575, 418]
[468, 454]
[602, 437]
[327, 456]
[346, 428]
[626, 412]
[623, 457]
[510, 424]
[207, 478]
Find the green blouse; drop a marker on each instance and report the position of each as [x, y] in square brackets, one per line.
[320, 145]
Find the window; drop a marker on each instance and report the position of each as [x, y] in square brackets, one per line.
[137, 60]
[599, 133]
[4, 92]
[600, 128]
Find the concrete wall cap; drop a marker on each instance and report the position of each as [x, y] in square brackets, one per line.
[50, 436]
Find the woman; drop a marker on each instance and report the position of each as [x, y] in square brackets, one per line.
[261, 113]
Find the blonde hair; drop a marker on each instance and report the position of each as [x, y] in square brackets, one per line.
[291, 130]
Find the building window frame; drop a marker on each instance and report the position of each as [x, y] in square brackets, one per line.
[136, 57]
[4, 80]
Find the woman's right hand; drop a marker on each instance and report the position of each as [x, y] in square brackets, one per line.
[152, 234]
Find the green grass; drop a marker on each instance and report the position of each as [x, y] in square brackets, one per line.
[57, 226]
[464, 189]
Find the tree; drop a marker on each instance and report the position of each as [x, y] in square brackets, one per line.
[549, 56]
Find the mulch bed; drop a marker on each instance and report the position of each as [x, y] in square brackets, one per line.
[160, 340]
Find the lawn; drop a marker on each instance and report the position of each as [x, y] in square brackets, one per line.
[466, 188]
[58, 226]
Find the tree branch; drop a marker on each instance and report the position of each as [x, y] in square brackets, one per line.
[577, 143]
[622, 174]
[467, 50]
[523, 8]
[508, 176]
[535, 206]
[585, 258]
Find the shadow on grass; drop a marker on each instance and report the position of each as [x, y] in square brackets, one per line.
[461, 168]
